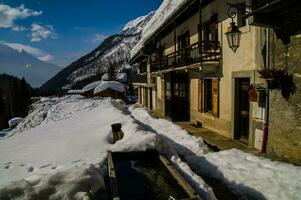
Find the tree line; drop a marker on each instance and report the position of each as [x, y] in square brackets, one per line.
[15, 98]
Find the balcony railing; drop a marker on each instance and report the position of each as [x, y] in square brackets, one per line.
[208, 52]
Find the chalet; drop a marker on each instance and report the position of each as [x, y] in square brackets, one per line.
[188, 71]
[111, 89]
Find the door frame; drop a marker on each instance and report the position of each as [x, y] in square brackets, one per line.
[237, 110]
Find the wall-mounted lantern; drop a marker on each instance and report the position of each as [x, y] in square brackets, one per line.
[233, 33]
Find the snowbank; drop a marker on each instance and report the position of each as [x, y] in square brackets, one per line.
[77, 183]
[251, 176]
[113, 85]
[15, 121]
[177, 137]
[163, 14]
[53, 155]
[59, 151]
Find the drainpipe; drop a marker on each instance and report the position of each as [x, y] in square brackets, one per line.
[267, 99]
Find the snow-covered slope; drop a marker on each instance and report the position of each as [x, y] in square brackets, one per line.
[163, 14]
[22, 64]
[115, 49]
[58, 152]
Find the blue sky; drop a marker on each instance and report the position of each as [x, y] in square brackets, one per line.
[60, 31]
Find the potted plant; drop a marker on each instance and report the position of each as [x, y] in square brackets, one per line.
[279, 79]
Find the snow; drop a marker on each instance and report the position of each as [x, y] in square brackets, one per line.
[74, 134]
[113, 85]
[135, 26]
[75, 92]
[58, 152]
[251, 176]
[91, 86]
[15, 121]
[163, 14]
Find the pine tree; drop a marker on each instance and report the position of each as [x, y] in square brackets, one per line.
[111, 71]
[24, 95]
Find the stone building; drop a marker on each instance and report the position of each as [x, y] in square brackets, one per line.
[191, 73]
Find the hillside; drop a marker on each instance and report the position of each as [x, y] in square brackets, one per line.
[115, 49]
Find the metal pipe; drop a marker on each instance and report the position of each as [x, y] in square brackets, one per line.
[267, 98]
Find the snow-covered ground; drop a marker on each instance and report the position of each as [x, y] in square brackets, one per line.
[59, 151]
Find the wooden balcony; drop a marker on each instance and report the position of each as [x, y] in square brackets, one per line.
[207, 52]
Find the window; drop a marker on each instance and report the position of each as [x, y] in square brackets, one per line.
[211, 96]
[180, 90]
[183, 44]
[142, 67]
[168, 90]
[210, 32]
[208, 95]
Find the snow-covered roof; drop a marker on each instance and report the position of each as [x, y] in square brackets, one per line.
[122, 77]
[114, 85]
[162, 15]
[91, 86]
[75, 92]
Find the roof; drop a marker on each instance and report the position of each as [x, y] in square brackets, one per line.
[164, 14]
[91, 86]
[113, 85]
[121, 77]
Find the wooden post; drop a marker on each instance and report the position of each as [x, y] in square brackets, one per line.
[116, 131]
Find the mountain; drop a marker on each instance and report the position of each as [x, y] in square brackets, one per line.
[22, 64]
[114, 49]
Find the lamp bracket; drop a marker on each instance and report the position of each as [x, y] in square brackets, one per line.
[232, 9]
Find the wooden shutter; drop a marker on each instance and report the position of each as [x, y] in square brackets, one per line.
[200, 95]
[215, 97]
[162, 89]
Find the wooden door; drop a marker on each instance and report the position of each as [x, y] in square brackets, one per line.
[242, 109]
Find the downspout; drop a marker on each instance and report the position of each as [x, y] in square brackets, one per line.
[267, 98]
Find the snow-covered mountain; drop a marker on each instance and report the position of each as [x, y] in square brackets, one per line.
[22, 64]
[114, 49]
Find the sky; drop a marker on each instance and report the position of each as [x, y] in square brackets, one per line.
[61, 31]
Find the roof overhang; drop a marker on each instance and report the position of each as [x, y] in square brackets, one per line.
[281, 15]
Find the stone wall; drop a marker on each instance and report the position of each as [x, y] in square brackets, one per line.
[285, 116]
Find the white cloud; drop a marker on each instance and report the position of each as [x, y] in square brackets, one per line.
[40, 32]
[46, 57]
[19, 28]
[99, 38]
[38, 53]
[8, 15]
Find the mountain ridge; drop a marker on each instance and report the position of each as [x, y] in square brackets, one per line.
[22, 64]
[114, 49]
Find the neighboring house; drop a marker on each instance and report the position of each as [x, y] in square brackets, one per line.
[88, 90]
[111, 89]
[188, 72]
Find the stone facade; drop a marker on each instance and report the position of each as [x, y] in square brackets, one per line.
[285, 116]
